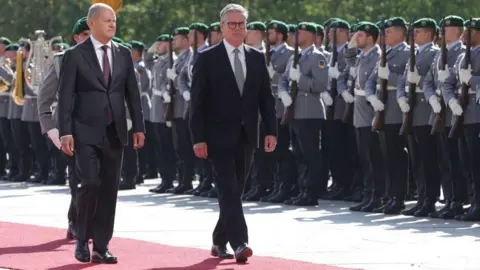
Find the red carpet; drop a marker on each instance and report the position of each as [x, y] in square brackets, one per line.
[29, 247]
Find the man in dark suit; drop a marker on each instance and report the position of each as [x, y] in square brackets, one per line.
[92, 122]
[230, 85]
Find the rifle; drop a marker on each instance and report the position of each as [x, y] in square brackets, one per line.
[379, 118]
[439, 122]
[171, 89]
[412, 87]
[330, 110]
[267, 51]
[289, 111]
[194, 57]
[457, 125]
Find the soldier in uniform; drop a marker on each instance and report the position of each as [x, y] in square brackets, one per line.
[181, 134]
[148, 165]
[60, 47]
[422, 144]
[471, 125]
[291, 35]
[311, 75]
[260, 178]
[131, 173]
[38, 141]
[19, 128]
[319, 40]
[7, 145]
[256, 35]
[203, 167]
[216, 37]
[454, 176]
[163, 134]
[340, 136]
[359, 68]
[394, 154]
[47, 103]
[284, 167]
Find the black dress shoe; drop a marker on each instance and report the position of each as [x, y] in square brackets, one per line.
[413, 210]
[247, 194]
[472, 215]
[127, 184]
[205, 186]
[82, 252]
[373, 204]
[71, 231]
[242, 253]
[162, 188]
[395, 207]
[180, 189]
[306, 200]
[384, 205]
[456, 209]
[103, 257]
[279, 197]
[139, 179]
[256, 195]
[270, 195]
[358, 207]
[220, 252]
[293, 199]
[425, 210]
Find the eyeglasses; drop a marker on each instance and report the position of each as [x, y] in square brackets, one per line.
[233, 25]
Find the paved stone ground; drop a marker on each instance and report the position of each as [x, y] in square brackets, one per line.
[327, 234]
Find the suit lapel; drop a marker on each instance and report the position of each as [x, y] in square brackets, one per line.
[225, 62]
[248, 63]
[115, 60]
[91, 58]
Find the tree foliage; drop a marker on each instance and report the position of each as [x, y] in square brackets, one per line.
[146, 19]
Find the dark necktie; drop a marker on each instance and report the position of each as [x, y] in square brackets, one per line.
[107, 76]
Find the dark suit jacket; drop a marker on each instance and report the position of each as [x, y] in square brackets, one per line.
[217, 108]
[84, 96]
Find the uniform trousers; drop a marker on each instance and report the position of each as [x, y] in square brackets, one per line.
[307, 142]
[21, 139]
[453, 170]
[167, 158]
[371, 163]
[393, 149]
[423, 153]
[184, 150]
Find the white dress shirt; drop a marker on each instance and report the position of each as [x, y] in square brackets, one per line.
[231, 56]
[97, 45]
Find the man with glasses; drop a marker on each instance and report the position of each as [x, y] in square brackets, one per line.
[230, 85]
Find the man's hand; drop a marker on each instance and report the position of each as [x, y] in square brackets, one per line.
[67, 145]
[270, 143]
[200, 150]
[138, 140]
[54, 136]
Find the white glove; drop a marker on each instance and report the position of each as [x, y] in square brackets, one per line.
[327, 99]
[377, 105]
[271, 71]
[129, 124]
[413, 77]
[171, 74]
[54, 136]
[435, 104]
[383, 72]
[443, 75]
[347, 97]
[352, 72]
[455, 107]
[353, 41]
[166, 97]
[285, 97]
[294, 74]
[186, 95]
[402, 102]
[333, 72]
[465, 75]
